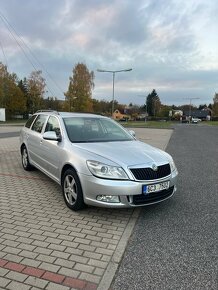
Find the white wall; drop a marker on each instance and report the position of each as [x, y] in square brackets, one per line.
[2, 114]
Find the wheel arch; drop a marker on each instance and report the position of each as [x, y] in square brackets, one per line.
[66, 167]
[22, 146]
[80, 199]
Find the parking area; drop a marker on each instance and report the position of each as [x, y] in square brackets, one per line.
[45, 245]
[174, 244]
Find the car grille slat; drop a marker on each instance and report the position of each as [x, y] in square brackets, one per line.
[149, 174]
[141, 199]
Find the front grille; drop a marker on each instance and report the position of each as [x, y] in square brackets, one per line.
[141, 199]
[149, 174]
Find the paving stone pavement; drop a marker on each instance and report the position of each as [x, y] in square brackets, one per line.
[45, 245]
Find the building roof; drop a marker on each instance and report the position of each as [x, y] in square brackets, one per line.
[197, 113]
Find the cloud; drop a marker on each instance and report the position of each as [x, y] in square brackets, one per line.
[171, 45]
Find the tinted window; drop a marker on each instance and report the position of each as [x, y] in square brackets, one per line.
[30, 121]
[39, 123]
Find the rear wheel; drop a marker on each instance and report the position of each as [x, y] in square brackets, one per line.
[25, 159]
[72, 190]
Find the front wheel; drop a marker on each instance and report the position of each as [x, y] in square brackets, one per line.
[72, 190]
[25, 159]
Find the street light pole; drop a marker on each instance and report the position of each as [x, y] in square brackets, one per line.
[146, 108]
[113, 72]
[112, 109]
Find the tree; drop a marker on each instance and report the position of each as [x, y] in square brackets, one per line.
[215, 105]
[15, 102]
[164, 111]
[4, 77]
[22, 84]
[187, 108]
[153, 104]
[210, 106]
[133, 110]
[103, 106]
[201, 107]
[11, 96]
[51, 103]
[143, 109]
[79, 94]
[36, 89]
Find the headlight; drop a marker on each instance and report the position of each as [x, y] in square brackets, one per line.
[106, 171]
[172, 165]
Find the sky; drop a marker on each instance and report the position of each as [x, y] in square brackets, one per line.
[171, 46]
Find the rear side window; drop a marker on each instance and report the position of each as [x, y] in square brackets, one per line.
[39, 123]
[30, 121]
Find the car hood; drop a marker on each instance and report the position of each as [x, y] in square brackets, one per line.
[126, 153]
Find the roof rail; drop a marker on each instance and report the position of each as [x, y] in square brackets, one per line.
[42, 111]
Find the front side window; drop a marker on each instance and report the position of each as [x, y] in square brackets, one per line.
[39, 123]
[53, 125]
[85, 129]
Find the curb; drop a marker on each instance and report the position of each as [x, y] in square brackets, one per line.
[111, 269]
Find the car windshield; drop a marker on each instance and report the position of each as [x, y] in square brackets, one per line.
[84, 129]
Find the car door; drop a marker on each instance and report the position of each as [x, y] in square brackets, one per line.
[35, 151]
[51, 149]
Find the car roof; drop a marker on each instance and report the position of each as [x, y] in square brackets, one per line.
[69, 114]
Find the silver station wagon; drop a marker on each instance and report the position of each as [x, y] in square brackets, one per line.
[96, 161]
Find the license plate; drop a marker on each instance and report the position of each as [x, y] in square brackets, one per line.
[146, 189]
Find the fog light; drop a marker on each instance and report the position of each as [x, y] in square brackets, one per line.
[108, 198]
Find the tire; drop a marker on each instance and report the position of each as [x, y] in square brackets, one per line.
[72, 190]
[25, 159]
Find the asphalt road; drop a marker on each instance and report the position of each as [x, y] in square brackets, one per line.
[174, 244]
[7, 131]
[9, 134]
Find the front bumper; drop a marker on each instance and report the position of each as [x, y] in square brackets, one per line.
[129, 191]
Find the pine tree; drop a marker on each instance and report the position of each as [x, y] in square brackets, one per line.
[215, 105]
[153, 104]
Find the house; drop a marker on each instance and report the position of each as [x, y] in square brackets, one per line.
[177, 113]
[200, 114]
[120, 115]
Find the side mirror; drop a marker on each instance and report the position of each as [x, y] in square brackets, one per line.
[51, 135]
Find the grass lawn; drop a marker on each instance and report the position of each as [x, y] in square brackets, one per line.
[160, 124]
[148, 124]
[212, 123]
